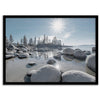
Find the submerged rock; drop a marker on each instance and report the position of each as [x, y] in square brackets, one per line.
[46, 74]
[23, 55]
[68, 51]
[77, 76]
[90, 62]
[51, 61]
[79, 54]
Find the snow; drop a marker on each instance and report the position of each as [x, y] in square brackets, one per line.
[9, 56]
[77, 76]
[90, 62]
[31, 63]
[68, 51]
[46, 74]
[10, 53]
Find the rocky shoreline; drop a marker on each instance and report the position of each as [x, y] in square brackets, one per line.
[48, 72]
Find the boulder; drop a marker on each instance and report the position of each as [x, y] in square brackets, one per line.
[23, 55]
[68, 51]
[79, 54]
[87, 52]
[90, 62]
[31, 63]
[47, 73]
[51, 61]
[77, 76]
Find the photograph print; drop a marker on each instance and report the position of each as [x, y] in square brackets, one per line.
[50, 50]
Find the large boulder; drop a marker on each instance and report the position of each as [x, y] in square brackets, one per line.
[68, 51]
[47, 73]
[23, 55]
[90, 62]
[77, 76]
[51, 61]
[79, 54]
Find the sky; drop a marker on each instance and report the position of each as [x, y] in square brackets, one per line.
[72, 31]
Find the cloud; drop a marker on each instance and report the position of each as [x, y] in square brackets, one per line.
[67, 35]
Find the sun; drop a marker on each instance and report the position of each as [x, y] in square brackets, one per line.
[57, 25]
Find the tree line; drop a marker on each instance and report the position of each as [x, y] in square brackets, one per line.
[36, 41]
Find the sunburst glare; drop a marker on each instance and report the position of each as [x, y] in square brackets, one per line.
[57, 25]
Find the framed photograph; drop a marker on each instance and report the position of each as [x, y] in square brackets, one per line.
[50, 50]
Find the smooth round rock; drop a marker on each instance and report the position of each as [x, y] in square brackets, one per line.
[90, 62]
[77, 76]
[51, 61]
[79, 54]
[68, 51]
[47, 73]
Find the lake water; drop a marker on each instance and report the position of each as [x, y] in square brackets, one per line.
[16, 68]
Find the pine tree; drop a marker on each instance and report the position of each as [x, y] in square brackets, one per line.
[7, 42]
[11, 38]
[25, 40]
[31, 41]
[21, 41]
[35, 41]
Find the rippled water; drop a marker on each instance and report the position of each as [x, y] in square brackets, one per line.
[16, 68]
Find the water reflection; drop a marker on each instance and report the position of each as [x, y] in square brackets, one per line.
[68, 57]
[43, 55]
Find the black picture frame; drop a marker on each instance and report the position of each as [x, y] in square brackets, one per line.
[49, 16]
